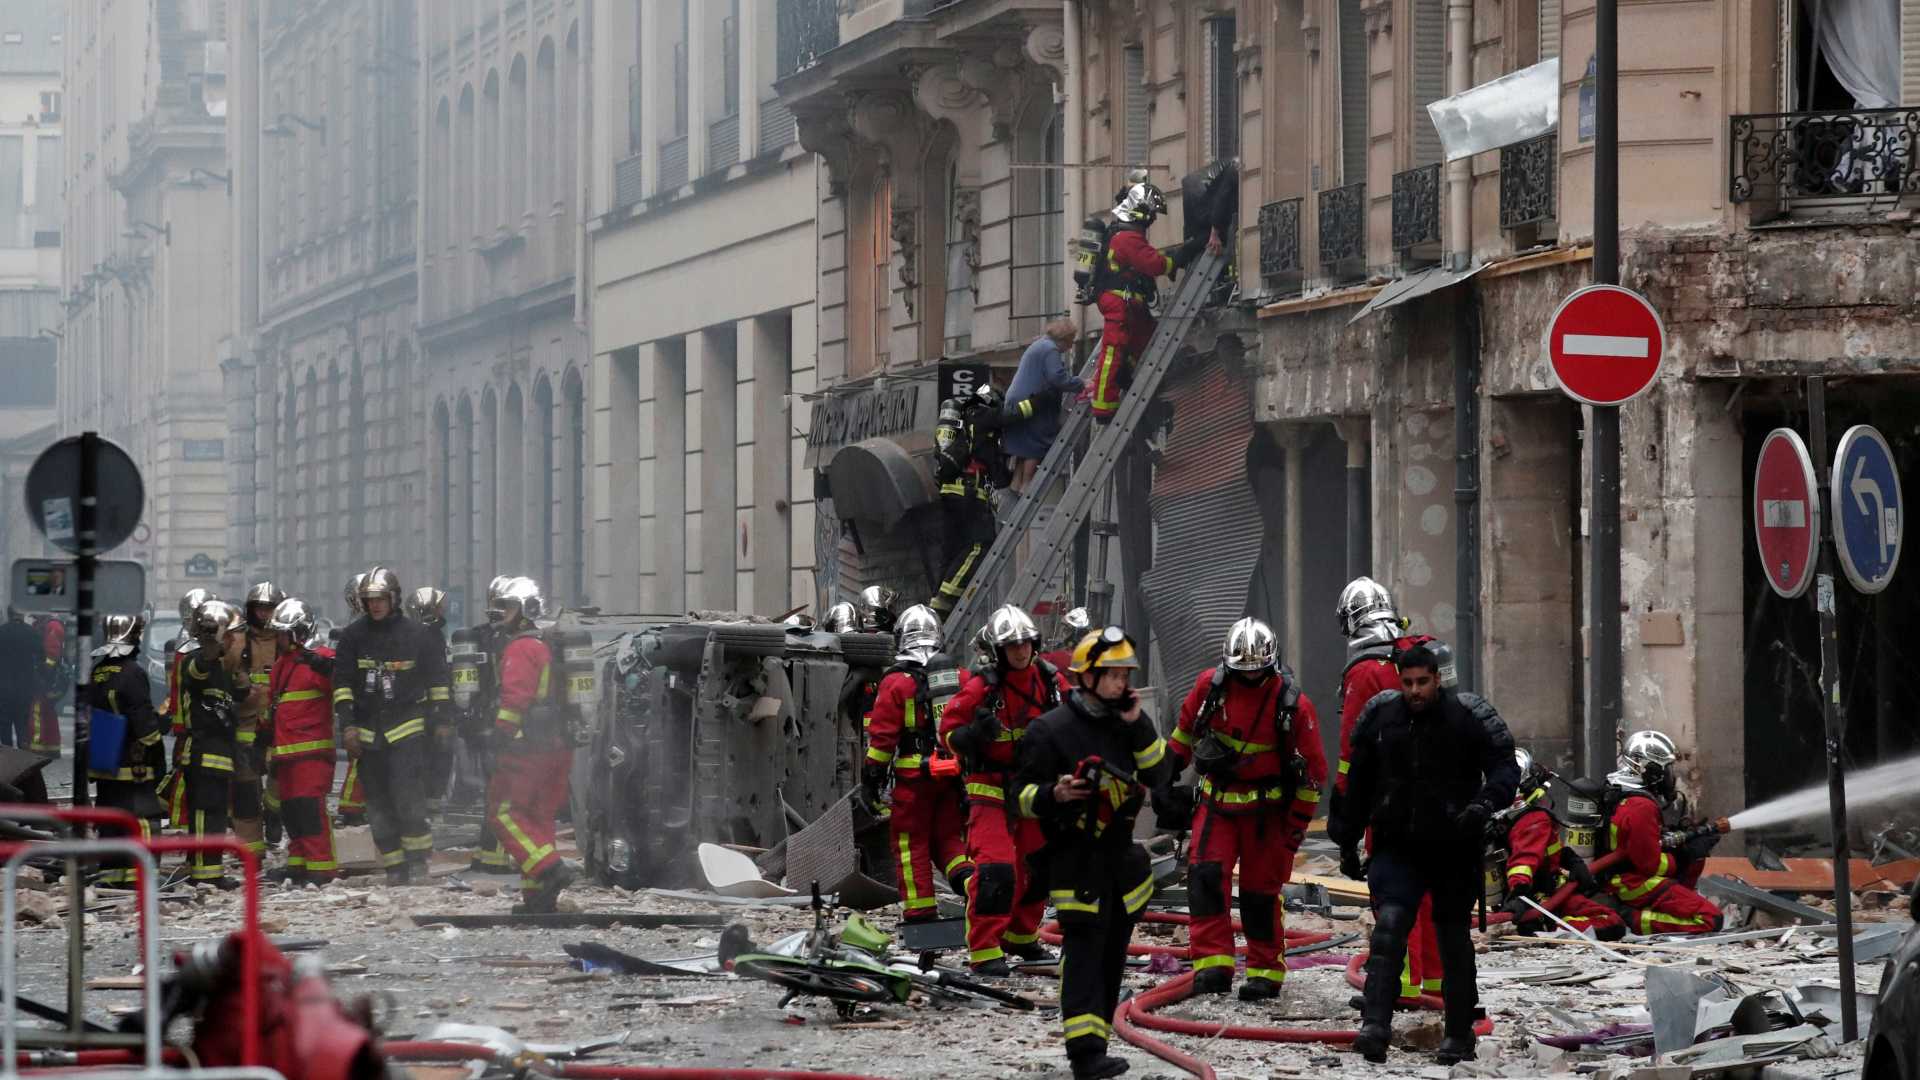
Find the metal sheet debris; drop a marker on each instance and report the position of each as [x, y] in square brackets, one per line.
[566, 919]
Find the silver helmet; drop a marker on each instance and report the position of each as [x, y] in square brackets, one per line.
[427, 604]
[1646, 763]
[190, 603]
[214, 620]
[292, 616]
[876, 609]
[266, 592]
[123, 629]
[1140, 204]
[799, 620]
[841, 618]
[1074, 625]
[380, 581]
[521, 598]
[1365, 604]
[1008, 625]
[1251, 646]
[353, 593]
[917, 637]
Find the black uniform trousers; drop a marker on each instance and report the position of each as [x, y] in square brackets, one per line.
[968, 533]
[209, 793]
[16, 719]
[136, 797]
[1093, 957]
[394, 775]
[1397, 879]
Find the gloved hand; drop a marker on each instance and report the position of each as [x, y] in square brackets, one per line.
[1471, 823]
[1516, 904]
[1699, 847]
[1579, 871]
[985, 727]
[1173, 808]
[873, 780]
[1350, 864]
[351, 740]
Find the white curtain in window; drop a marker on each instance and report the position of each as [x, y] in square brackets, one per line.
[1861, 42]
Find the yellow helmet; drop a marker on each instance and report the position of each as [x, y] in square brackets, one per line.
[1108, 648]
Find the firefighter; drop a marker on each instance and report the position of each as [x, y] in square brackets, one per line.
[1074, 625]
[876, 609]
[530, 772]
[1085, 770]
[51, 682]
[1375, 633]
[118, 685]
[353, 794]
[1656, 890]
[841, 618]
[969, 464]
[477, 726]
[982, 726]
[1430, 767]
[1538, 864]
[1126, 289]
[428, 607]
[1254, 738]
[301, 726]
[250, 798]
[173, 789]
[389, 679]
[213, 684]
[928, 818]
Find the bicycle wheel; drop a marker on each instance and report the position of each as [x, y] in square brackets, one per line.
[813, 979]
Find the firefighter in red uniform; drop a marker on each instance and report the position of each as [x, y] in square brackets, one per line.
[50, 685]
[1074, 625]
[1255, 740]
[983, 725]
[1657, 889]
[1538, 863]
[1126, 289]
[254, 801]
[529, 783]
[173, 789]
[300, 687]
[928, 819]
[1375, 633]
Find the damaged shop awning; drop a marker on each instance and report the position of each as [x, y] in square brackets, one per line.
[877, 480]
[1414, 286]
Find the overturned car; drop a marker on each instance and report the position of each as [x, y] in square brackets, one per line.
[712, 731]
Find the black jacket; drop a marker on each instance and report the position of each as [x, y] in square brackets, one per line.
[212, 695]
[1411, 774]
[21, 655]
[388, 674]
[119, 685]
[1058, 742]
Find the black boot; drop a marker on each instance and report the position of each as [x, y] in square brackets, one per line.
[1455, 1049]
[545, 896]
[995, 968]
[1098, 1066]
[1031, 951]
[1387, 950]
[1213, 980]
[1259, 988]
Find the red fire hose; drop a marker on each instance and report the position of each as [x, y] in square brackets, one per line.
[454, 1051]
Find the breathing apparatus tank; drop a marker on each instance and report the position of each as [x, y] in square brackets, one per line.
[1581, 832]
[465, 658]
[1087, 252]
[572, 652]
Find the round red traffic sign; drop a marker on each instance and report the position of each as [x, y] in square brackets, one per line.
[1604, 344]
[1786, 512]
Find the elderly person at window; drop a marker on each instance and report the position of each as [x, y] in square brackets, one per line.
[1034, 399]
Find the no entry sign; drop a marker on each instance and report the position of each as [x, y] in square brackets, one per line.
[1604, 344]
[1786, 512]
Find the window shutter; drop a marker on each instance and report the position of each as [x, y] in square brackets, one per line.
[1222, 111]
[1353, 94]
[1136, 103]
[1549, 29]
[1909, 52]
[1429, 75]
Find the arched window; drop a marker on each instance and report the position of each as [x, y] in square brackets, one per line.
[462, 220]
[439, 179]
[440, 511]
[515, 162]
[493, 164]
[486, 468]
[545, 79]
[963, 218]
[510, 502]
[543, 486]
[461, 502]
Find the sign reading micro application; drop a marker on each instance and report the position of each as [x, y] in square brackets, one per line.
[1786, 512]
[1866, 508]
[1604, 344]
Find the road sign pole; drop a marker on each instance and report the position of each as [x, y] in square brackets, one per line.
[1836, 721]
[1604, 693]
[85, 531]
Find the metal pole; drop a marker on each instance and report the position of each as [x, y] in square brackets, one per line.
[85, 525]
[1466, 491]
[1836, 721]
[1603, 699]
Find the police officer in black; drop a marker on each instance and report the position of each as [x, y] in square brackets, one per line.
[1429, 768]
[969, 464]
[1085, 769]
[118, 685]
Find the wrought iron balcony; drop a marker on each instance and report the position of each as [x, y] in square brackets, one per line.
[1416, 213]
[1834, 158]
[1343, 232]
[1529, 181]
[1280, 245]
[807, 28]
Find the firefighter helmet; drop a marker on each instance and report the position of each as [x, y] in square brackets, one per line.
[353, 593]
[1140, 204]
[1646, 762]
[841, 619]
[988, 396]
[427, 604]
[380, 581]
[1534, 776]
[215, 619]
[1108, 648]
[876, 609]
[1008, 625]
[123, 629]
[521, 599]
[1364, 603]
[190, 603]
[918, 634]
[799, 620]
[293, 616]
[267, 593]
[1251, 646]
[1074, 626]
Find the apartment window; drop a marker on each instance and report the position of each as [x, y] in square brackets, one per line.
[1429, 75]
[1223, 90]
[730, 61]
[1549, 29]
[880, 263]
[1135, 98]
[1353, 94]
[50, 107]
[680, 73]
[962, 206]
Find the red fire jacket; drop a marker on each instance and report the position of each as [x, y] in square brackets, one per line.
[1136, 262]
[899, 723]
[1247, 721]
[1023, 696]
[300, 687]
[1533, 851]
[1636, 829]
[526, 681]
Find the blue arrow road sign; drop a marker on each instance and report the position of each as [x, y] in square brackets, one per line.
[1867, 513]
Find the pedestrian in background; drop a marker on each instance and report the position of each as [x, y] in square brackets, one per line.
[1033, 401]
[22, 653]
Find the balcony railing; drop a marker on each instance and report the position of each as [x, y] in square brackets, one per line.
[807, 28]
[723, 143]
[1529, 181]
[673, 163]
[626, 182]
[1833, 158]
[1343, 233]
[1280, 245]
[1416, 213]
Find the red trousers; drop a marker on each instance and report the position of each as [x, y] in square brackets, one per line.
[1128, 329]
[928, 829]
[1004, 902]
[528, 788]
[1584, 914]
[1422, 973]
[353, 797]
[1675, 909]
[43, 725]
[1256, 841]
[303, 785]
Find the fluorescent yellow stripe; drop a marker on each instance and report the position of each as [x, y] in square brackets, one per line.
[216, 761]
[1085, 1024]
[1520, 872]
[907, 888]
[439, 693]
[1344, 766]
[342, 693]
[879, 756]
[407, 729]
[303, 747]
[421, 843]
[1204, 962]
[1242, 747]
[1027, 795]
[245, 738]
[302, 695]
[1012, 938]
[986, 791]
[1183, 736]
[1148, 758]
[1067, 900]
[981, 956]
[1269, 974]
[534, 854]
[1138, 898]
